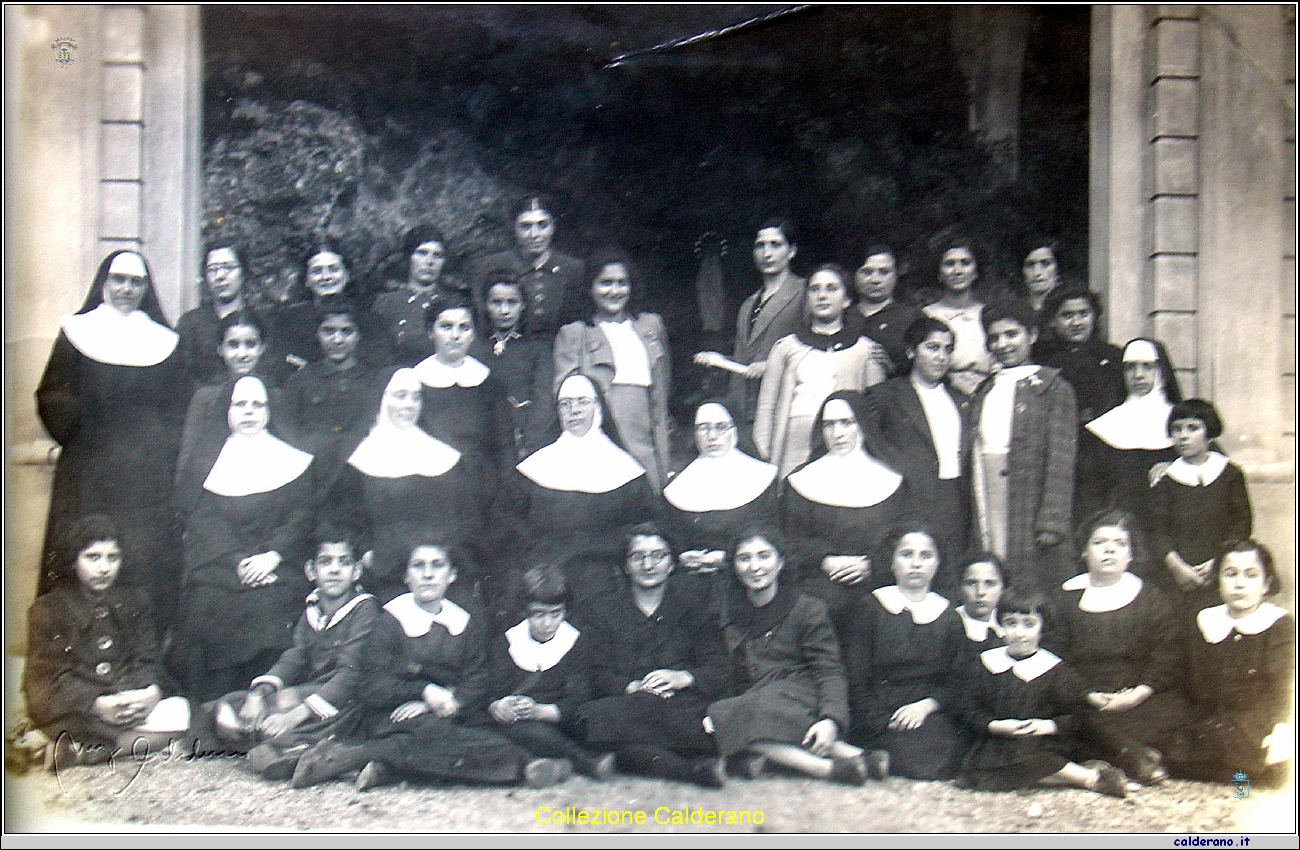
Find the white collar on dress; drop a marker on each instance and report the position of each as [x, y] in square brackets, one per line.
[433, 373]
[1096, 600]
[316, 618]
[856, 480]
[535, 657]
[1141, 422]
[978, 630]
[998, 661]
[106, 336]
[416, 621]
[925, 611]
[720, 483]
[1216, 624]
[257, 464]
[1190, 475]
[587, 464]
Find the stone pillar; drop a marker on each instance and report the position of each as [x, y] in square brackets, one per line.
[1117, 254]
[101, 152]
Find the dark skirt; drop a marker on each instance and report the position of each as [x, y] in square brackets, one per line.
[642, 719]
[429, 747]
[998, 763]
[931, 752]
[781, 710]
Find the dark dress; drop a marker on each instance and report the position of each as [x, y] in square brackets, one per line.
[1241, 686]
[1136, 644]
[524, 365]
[887, 326]
[893, 661]
[81, 647]
[475, 421]
[396, 513]
[120, 429]
[814, 531]
[679, 635]
[233, 632]
[396, 669]
[1096, 371]
[402, 317]
[552, 293]
[1196, 522]
[715, 530]
[582, 531]
[1002, 763]
[1108, 477]
[788, 662]
[323, 404]
[566, 685]
[200, 337]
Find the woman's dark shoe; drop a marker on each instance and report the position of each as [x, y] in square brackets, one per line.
[877, 763]
[329, 759]
[600, 768]
[1111, 781]
[851, 770]
[277, 763]
[374, 775]
[709, 772]
[1146, 765]
[747, 765]
[543, 773]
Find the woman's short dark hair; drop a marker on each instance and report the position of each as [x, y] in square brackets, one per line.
[242, 318]
[1026, 599]
[1262, 554]
[1016, 309]
[1034, 241]
[846, 279]
[783, 224]
[535, 202]
[418, 235]
[649, 528]
[437, 540]
[1196, 408]
[217, 245]
[951, 243]
[767, 531]
[1115, 518]
[324, 248]
[921, 328]
[1069, 292]
[895, 534]
[876, 248]
[613, 255]
[444, 302]
[337, 304]
[544, 584]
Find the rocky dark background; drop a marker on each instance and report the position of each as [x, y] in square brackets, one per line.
[351, 123]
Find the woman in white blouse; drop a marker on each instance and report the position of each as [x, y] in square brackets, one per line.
[627, 356]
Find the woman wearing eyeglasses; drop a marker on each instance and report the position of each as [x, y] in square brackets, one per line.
[571, 499]
[717, 494]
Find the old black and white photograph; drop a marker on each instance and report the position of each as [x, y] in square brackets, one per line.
[739, 419]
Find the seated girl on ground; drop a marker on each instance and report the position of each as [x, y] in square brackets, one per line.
[94, 680]
[1024, 706]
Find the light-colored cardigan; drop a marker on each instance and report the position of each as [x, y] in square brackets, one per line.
[856, 368]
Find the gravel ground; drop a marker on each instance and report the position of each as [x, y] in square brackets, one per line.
[219, 795]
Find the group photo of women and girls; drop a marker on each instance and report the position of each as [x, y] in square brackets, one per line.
[442, 532]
